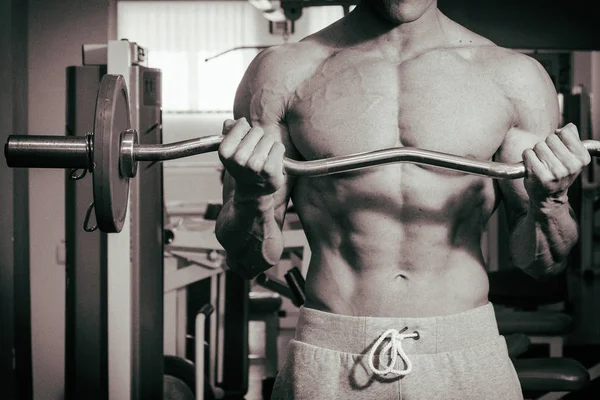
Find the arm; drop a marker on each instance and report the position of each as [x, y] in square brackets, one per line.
[256, 192]
[542, 227]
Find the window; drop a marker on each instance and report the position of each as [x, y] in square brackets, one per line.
[181, 35]
[319, 17]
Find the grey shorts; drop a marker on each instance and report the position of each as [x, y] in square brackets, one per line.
[460, 356]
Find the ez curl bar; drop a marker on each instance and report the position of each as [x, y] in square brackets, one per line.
[112, 151]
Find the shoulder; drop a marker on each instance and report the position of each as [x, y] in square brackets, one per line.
[510, 69]
[521, 79]
[525, 83]
[516, 72]
[273, 76]
[276, 72]
[283, 65]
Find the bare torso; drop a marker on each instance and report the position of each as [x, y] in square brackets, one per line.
[399, 239]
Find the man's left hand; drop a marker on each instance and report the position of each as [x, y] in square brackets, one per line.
[553, 165]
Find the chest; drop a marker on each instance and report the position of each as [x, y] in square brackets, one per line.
[437, 102]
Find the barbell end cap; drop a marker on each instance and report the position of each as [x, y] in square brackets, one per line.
[6, 153]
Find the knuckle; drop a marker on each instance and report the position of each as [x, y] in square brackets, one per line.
[571, 127]
[239, 158]
[539, 146]
[255, 164]
[560, 171]
[227, 125]
[270, 168]
[539, 150]
[553, 140]
[573, 167]
[268, 140]
[264, 144]
[225, 151]
[257, 130]
[279, 147]
[568, 132]
[242, 121]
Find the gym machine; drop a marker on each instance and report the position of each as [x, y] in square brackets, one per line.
[114, 284]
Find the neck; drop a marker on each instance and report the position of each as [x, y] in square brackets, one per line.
[365, 24]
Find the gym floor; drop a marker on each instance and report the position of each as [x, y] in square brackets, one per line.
[583, 344]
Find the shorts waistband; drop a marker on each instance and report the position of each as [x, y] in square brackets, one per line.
[351, 334]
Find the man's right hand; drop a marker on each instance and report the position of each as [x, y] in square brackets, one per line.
[253, 159]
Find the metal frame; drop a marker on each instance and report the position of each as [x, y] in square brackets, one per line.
[135, 255]
[86, 288]
[119, 268]
[183, 268]
[147, 244]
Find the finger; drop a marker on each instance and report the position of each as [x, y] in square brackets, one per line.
[564, 155]
[246, 147]
[227, 125]
[274, 163]
[549, 159]
[260, 154]
[569, 135]
[233, 138]
[534, 167]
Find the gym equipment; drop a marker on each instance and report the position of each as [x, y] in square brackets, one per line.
[181, 379]
[112, 151]
[114, 296]
[292, 288]
[265, 307]
[176, 389]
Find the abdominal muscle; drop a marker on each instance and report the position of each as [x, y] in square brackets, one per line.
[395, 241]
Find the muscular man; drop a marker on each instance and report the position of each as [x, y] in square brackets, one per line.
[396, 292]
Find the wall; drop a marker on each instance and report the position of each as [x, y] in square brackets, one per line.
[532, 24]
[57, 29]
[15, 321]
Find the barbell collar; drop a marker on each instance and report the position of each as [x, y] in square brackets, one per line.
[41, 151]
[127, 162]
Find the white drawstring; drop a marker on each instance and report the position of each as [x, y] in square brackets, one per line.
[394, 347]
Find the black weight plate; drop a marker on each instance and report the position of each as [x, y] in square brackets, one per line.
[111, 190]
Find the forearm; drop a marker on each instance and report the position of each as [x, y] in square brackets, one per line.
[543, 238]
[250, 235]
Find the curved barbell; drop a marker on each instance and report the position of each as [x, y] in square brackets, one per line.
[73, 152]
[112, 153]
